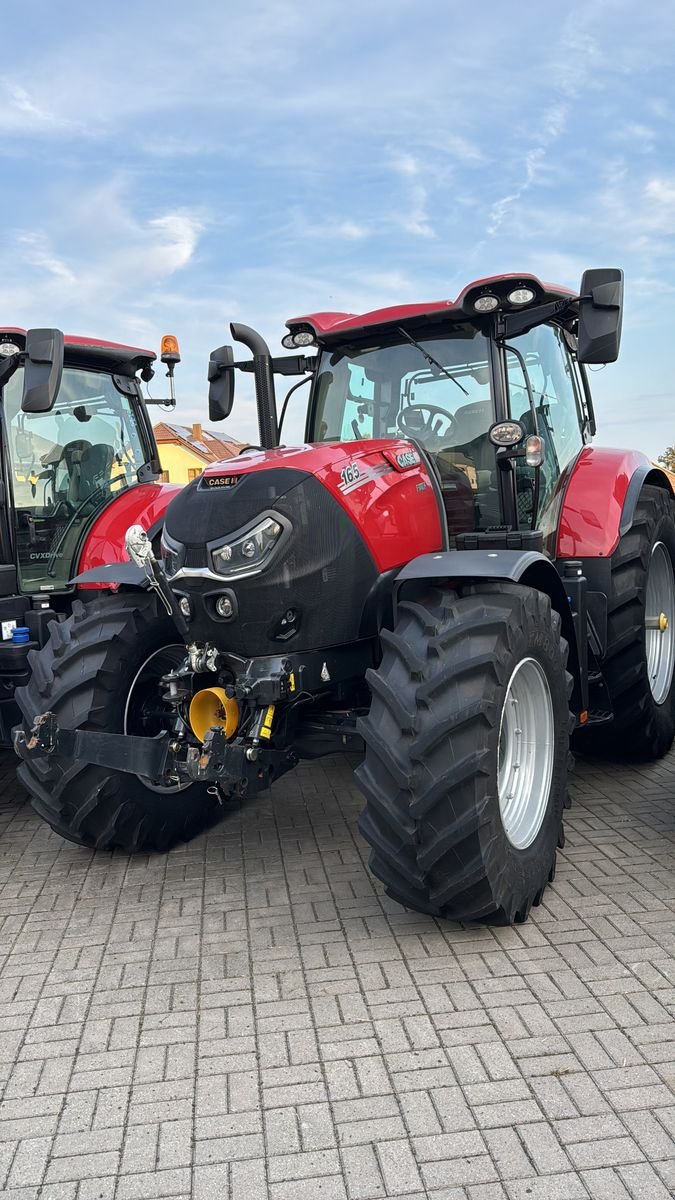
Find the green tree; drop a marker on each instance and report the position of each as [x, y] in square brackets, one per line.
[668, 458]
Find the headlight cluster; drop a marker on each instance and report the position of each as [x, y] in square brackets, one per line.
[246, 553]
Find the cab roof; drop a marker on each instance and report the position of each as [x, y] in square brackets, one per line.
[91, 352]
[327, 325]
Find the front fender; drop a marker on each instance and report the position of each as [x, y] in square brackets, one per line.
[125, 574]
[600, 500]
[527, 567]
[471, 564]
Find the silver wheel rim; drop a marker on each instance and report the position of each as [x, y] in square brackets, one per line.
[660, 622]
[173, 655]
[525, 758]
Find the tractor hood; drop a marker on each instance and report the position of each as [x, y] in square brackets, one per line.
[297, 540]
[360, 477]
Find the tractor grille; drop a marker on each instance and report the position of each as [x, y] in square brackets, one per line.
[195, 556]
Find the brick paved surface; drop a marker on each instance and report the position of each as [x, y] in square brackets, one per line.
[249, 1016]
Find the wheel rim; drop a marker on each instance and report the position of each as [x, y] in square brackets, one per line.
[660, 622]
[145, 714]
[525, 758]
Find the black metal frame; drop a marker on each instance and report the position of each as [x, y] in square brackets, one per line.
[244, 763]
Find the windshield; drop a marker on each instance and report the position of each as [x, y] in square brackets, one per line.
[64, 467]
[392, 389]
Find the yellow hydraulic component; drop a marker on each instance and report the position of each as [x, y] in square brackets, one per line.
[663, 622]
[266, 730]
[212, 707]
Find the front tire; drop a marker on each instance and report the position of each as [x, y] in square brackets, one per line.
[452, 830]
[98, 671]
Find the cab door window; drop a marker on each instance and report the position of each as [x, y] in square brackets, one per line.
[557, 416]
[357, 417]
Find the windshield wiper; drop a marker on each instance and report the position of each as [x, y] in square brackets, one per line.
[93, 495]
[431, 360]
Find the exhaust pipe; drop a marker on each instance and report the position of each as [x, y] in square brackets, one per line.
[263, 375]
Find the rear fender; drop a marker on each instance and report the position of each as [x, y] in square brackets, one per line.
[527, 567]
[144, 504]
[600, 500]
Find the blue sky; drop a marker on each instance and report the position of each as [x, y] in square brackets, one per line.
[173, 167]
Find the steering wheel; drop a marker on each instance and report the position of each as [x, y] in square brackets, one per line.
[428, 428]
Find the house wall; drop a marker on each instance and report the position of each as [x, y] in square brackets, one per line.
[178, 461]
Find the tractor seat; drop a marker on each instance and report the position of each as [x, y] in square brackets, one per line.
[471, 421]
[94, 469]
[70, 458]
[469, 436]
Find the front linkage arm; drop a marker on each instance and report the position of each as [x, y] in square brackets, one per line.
[121, 752]
[229, 764]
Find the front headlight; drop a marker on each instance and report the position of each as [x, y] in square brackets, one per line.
[248, 552]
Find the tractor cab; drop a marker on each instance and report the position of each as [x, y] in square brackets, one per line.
[489, 388]
[76, 436]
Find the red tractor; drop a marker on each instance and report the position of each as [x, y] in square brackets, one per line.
[80, 462]
[445, 575]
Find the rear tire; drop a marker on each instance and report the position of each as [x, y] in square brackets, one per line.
[84, 675]
[434, 815]
[638, 666]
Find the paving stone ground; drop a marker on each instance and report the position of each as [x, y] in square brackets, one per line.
[250, 1017]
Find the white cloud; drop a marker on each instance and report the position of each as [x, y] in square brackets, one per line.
[171, 240]
[302, 227]
[413, 216]
[405, 164]
[661, 190]
[93, 256]
[22, 113]
[351, 230]
[575, 60]
[463, 149]
[38, 254]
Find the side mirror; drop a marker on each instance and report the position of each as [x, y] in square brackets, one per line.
[42, 370]
[24, 447]
[600, 314]
[221, 383]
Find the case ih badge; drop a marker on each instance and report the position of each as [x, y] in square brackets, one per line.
[403, 459]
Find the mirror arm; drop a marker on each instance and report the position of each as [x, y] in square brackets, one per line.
[8, 366]
[288, 364]
[515, 323]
